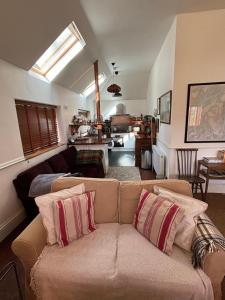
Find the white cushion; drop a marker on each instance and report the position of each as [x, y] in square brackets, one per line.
[45, 205]
[192, 207]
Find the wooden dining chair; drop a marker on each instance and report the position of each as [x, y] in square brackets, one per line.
[187, 168]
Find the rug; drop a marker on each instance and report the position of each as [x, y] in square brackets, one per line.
[124, 173]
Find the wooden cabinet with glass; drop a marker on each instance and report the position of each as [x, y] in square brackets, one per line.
[145, 139]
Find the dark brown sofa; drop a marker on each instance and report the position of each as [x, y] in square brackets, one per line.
[89, 163]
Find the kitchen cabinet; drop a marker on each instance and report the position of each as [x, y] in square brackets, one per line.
[141, 142]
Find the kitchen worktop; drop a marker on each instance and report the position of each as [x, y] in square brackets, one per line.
[91, 141]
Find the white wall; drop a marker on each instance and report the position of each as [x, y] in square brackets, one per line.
[199, 57]
[161, 80]
[16, 83]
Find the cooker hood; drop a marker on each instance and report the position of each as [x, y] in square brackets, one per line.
[121, 119]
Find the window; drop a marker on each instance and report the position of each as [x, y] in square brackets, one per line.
[38, 125]
[67, 45]
[91, 87]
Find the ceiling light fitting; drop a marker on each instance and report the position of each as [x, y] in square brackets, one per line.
[118, 94]
[114, 88]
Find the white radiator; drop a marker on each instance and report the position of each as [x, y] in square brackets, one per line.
[158, 159]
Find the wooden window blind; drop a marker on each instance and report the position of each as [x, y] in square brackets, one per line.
[38, 125]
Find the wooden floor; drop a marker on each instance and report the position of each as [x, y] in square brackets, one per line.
[8, 286]
[215, 211]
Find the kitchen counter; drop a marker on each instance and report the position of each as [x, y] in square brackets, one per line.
[91, 141]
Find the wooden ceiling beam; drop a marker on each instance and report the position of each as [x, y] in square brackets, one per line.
[97, 92]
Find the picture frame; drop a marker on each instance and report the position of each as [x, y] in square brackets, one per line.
[165, 102]
[205, 122]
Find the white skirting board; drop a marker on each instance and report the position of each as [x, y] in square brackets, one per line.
[11, 223]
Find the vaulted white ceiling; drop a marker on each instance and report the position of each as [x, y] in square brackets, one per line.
[28, 27]
[129, 32]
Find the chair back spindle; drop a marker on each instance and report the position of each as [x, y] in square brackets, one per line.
[187, 162]
[187, 168]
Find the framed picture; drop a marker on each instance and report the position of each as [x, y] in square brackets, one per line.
[205, 121]
[165, 102]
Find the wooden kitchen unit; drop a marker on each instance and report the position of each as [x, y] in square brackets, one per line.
[141, 141]
[145, 139]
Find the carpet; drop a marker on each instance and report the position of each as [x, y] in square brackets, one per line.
[124, 173]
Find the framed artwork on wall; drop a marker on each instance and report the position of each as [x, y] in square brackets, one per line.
[165, 102]
[205, 115]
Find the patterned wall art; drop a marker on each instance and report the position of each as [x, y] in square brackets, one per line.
[205, 117]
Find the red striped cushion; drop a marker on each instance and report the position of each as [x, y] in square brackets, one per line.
[157, 219]
[74, 217]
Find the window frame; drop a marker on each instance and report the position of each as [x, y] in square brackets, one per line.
[78, 42]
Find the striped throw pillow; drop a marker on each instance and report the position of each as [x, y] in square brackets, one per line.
[157, 218]
[74, 217]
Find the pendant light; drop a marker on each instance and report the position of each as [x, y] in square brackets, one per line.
[114, 88]
[117, 94]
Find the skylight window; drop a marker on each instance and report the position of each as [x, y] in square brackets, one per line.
[91, 87]
[67, 45]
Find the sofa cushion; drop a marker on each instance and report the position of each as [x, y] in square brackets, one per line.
[157, 219]
[147, 273]
[106, 195]
[74, 217]
[85, 269]
[130, 192]
[58, 164]
[45, 205]
[69, 155]
[116, 262]
[193, 207]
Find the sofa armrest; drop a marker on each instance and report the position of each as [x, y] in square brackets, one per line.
[209, 253]
[29, 244]
[214, 266]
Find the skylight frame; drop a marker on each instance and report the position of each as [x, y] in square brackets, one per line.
[91, 87]
[59, 60]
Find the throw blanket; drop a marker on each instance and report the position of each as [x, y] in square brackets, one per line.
[89, 156]
[206, 239]
[116, 262]
[41, 184]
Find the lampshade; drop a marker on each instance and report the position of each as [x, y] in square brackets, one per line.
[114, 88]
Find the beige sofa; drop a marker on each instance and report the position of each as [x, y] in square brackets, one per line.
[115, 202]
